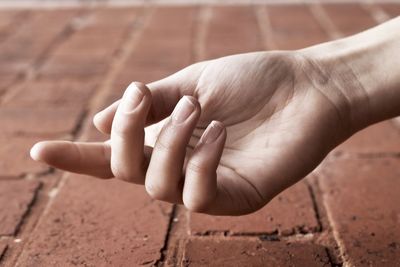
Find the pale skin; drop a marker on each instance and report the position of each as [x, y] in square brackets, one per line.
[238, 130]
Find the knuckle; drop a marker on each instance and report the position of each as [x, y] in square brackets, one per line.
[197, 167]
[169, 137]
[164, 144]
[123, 125]
[126, 175]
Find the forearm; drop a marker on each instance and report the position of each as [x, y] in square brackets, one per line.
[367, 69]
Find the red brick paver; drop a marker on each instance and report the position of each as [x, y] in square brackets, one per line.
[252, 252]
[290, 212]
[69, 63]
[365, 220]
[99, 223]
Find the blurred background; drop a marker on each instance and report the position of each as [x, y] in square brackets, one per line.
[62, 61]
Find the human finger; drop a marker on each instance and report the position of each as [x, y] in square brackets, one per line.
[200, 187]
[127, 134]
[85, 158]
[164, 174]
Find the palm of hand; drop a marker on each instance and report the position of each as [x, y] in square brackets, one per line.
[275, 123]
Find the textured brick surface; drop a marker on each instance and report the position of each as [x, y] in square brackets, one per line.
[291, 211]
[252, 252]
[15, 199]
[98, 223]
[360, 196]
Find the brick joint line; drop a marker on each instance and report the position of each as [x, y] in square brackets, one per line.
[164, 248]
[27, 211]
[325, 22]
[264, 28]
[315, 206]
[3, 253]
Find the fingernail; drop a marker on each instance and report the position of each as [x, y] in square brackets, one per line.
[132, 98]
[183, 109]
[212, 132]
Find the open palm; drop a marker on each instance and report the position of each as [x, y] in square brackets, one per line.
[277, 126]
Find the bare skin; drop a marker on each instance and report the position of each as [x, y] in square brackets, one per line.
[271, 117]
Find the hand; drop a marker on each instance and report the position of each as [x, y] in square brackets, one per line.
[246, 127]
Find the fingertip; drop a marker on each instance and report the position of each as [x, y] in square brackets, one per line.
[214, 132]
[100, 122]
[37, 151]
[142, 87]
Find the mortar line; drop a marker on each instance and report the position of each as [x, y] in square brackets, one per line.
[127, 47]
[3, 253]
[265, 28]
[315, 206]
[340, 244]
[323, 19]
[161, 260]
[203, 18]
[28, 209]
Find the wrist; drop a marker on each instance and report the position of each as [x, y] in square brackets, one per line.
[362, 73]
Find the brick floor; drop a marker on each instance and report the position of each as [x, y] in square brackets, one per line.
[368, 228]
[83, 58]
